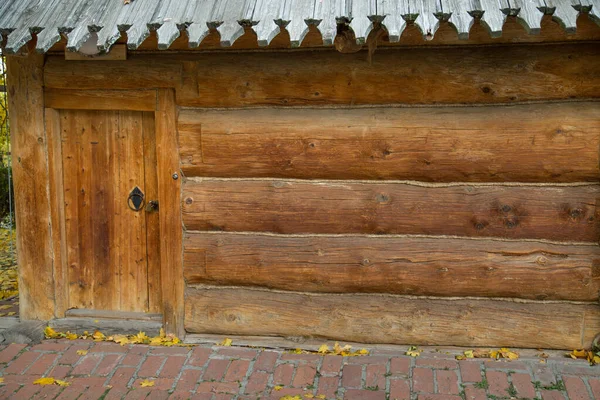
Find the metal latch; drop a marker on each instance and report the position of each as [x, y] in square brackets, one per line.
[135, 201]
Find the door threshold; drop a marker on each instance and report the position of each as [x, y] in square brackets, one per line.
[110, 314]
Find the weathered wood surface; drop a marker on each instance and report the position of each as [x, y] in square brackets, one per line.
[169, 197]
[60, 270]
[31, 186]
[567, 213]
[521, 143]
[495, 74]
[391, 319]
[74, 99]
[105, 240]
[420, 266]
[108, 326]
[113, 314]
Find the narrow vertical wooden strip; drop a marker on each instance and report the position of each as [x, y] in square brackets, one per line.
[152, 218]
[114, 213]
[84, 206]
[169, 196]
[57, 212]
[134, 289]
[70, 155]
[30, 172]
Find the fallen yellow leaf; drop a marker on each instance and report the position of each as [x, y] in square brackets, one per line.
[323, 349]
[226, 342]
[277, 388]
[71, 336]
[575, 354]
[309, 396]
[50, 333]
[321, 396]
[413, 351]
[98, 336]
[1, 381]
[5, 307]
[62, 383]
[44, 381]
[82, 352]
[146, 383]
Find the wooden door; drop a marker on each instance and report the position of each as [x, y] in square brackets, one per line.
[111, 251]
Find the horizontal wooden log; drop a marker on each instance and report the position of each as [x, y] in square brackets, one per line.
[391, 319]
[494, 74]
[525, 143]
[134, 100]
[567, 213]
[399, 265]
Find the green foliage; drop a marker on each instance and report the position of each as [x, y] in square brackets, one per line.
[5, 168]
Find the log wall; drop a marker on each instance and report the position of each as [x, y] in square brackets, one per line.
[436, 196]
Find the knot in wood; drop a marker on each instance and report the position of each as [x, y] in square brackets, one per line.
[382, 198]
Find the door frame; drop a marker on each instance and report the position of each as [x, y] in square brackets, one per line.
[162, 103]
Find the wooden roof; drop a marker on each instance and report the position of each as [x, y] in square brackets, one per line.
[78, 20]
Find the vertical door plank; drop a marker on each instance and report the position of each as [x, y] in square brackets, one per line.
[70, 153]
[169, 196]
[57, 211]
[101, 195]
[84, 207]
[30, 172]
[134, 269]
[152, 218]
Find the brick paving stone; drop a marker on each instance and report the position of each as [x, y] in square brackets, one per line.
[447, 382]
[122, 377]
[522, 382]
[283, 374]
[11, 352]
[131, 359]
[328, 385]
[237, 370]
[543, 373]
[266, 361]
[400, 366]
[498, 382]
[352, 376]
[157, 395]
[375, 376]
[51, 345]
[26, 392]
[60, 371]
[576, 389]
[108, 364]
[49, 392]
[108, 348]
[399, 389]
[436, 363]
[305, 376]
[506, 365]
[429, 396]
[170, 351]
[368, 360]
[473, 393]
[87, 364]
[188, 379]
[595, 386]
[552, 395]
[470, 370]
[218, 387]
[70, 356]
[215, 370]
[137, 394]
[422, 380]
[235, 352]
[257, 383]
[331, 365]
[353, 394]
[172, 367]
[151, 365]
[42, 364]
[22, 363]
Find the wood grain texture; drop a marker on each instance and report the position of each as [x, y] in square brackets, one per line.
[73, 99]
[521, 143]
[566, 213]
[31, 187]
[420, 266]
[495, 74]
[103, 159]
[169, 197]
[390, 319]
[57, 201]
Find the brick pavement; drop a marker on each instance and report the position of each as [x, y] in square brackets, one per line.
[109, 371]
